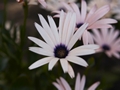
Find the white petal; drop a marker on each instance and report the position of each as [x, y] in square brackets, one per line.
[52, 63]
[82, 83]
[61, 23]
[94, 86]
[54, 28]
[44, 35]
[70, 71]
[41, 51]
[59, 87]
[77, 60]
[76, 36]
[66, 85]
[77, 83]
[47, 28]
[40, 62]
[71, 28]
[64, 65]
[83, 10]
[40, 43]
[65, 26]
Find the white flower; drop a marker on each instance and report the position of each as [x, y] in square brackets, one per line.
[58, 43]
[93, 18]
[54, 4]
[79, 84]
[108, 41]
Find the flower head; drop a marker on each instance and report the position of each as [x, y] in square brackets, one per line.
[108, 41]
[93, 18]
[54, 4]
[58, 43]
[79, 84]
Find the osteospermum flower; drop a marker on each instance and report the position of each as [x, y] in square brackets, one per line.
[79, 84]
[92, 18]
[58, 43]
[108, 41]
[54, 4]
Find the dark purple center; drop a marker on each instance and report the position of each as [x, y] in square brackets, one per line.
[61, 51]
[106, 47]
[79, 25]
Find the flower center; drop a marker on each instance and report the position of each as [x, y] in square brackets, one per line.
[79, 25]
[61, 51]
[106, 47]
[62, 8]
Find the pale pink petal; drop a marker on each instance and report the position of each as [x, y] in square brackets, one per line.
[117, 55]
[76, 10]
[96, 25]
[77, 83]
[64, 64]
[77, 35]
[47, 28]
[70, 71]
[77, 60]
[40, 43]
[91, 12]
[66, 85]
[83, 10]
[85, 37]
[94, 86]
[44, 35]
[71, 28]
[52, 63]
[67, 6]
[98, 14]
[41, 51]
[58, 86]
[82, 83]
[40, 62]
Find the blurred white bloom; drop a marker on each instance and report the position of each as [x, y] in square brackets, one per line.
[58, 43]
[53, 5]
[93, 18]
[79, 84]
[108, 41]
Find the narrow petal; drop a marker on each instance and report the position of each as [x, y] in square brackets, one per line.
[98, 14]
[44, 35]
[70, 71]
[41, 51]
[77, 35]
[57, 86]
[54, 28]
[66, 85]
[76, 10]
[82, 52]
[85, 37]
[40, 62]
[77, 83]
[91, 12]
[77, 60]
[71, 28]
[40, 43]
[82, 83]
[52, 63]
[64, 65]
[47, 28]
[117, 55]
[61, 23]
[94, 86]
[65, 26]
[83, 10]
